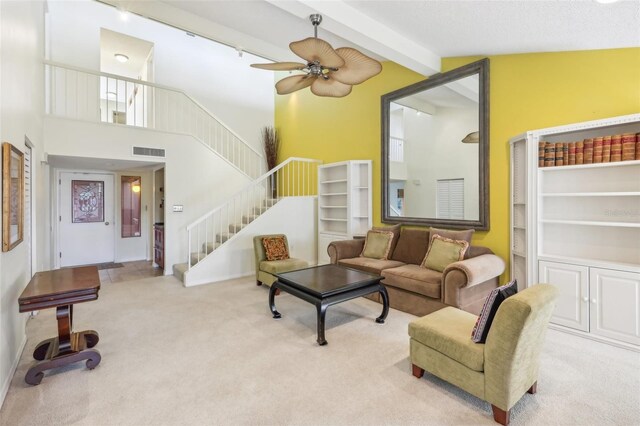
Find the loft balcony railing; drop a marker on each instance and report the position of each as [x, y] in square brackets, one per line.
[88, 95]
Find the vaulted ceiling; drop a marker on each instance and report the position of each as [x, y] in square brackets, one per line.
[416, 34]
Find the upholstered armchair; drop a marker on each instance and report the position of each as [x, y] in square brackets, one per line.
[266, 269]
[499, 371]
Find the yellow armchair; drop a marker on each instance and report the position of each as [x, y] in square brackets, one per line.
[499, 371]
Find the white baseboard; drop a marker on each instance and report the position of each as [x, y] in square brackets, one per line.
[12, 371]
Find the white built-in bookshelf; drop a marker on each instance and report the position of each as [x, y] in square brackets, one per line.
[344, 203]
[578, 227]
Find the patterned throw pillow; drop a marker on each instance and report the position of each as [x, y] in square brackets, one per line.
[275, 248]
[377, 245]
[443, 252]
[489, 309]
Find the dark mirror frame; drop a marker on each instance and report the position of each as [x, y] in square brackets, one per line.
[482, 69]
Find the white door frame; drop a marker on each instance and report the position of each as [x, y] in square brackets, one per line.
[58, 201]
[32, 223]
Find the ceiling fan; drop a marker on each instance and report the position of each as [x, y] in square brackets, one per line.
[329, 72]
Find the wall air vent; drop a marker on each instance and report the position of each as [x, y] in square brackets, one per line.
[148, 152]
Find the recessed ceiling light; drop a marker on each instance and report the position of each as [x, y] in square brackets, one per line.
[121, 58]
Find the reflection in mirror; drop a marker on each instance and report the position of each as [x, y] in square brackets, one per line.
[434, 138]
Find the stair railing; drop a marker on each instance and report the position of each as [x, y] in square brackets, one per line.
[88, 95]
[295, 177]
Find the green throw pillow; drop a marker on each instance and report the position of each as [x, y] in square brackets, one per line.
[443, 252]
[377, 245]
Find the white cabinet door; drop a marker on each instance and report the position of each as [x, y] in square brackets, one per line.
[615, 304]
[323, 242]
[572, 306]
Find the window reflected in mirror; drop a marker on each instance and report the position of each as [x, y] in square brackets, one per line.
[131, 189]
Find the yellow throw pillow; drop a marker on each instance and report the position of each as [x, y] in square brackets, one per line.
[443, 252]
[377, 245]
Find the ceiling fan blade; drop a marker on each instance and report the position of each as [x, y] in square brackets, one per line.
[314, 49]
[357, 67]
[330, 87]
[293, 83]
[280, 66]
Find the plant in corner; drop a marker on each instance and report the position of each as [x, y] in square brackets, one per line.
[271, 140]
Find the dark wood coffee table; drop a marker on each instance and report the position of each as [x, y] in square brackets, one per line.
[61, 289]
[327, 285]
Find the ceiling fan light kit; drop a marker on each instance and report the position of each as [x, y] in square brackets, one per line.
[329, 72]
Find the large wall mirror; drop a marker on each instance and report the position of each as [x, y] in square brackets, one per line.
[435, 150]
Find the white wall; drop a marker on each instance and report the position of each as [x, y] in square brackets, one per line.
[240, 96]
[21, 107]
[193, 172]
[236, 259]
[428, 138]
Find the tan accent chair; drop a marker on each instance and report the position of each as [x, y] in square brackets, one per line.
[499, 371]
[266, 269]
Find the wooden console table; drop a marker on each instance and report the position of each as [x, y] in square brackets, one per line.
[60, 289]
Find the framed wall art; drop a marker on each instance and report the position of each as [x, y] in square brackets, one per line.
[12, 196]
[87, 201]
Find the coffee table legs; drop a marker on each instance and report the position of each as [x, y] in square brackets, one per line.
[322, 311]
[272, 300]
[385, 305]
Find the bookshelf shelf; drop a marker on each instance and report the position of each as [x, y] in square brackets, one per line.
[592, 223]
[592, 194]
[344, 208]
[580, 228]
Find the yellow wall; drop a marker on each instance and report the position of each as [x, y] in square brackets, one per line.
[528, 91]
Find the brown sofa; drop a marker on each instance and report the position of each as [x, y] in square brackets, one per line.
[420, 291]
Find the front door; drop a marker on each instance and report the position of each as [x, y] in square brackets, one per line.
[85, 209]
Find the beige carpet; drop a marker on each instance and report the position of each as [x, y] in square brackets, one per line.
[213, 355]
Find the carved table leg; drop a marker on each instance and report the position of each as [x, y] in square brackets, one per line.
[385, 305]
[91, 338]
[40, 352]
[64, 314]
[36, 373]
[272, 303]
[322, 311]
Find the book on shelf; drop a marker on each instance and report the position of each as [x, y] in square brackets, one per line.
[572, 153]
[616, 148]
[588, 151]
[637, 146]
[597, 149]
[541, 146]
[606, 149]
[559, 154]
[549, 154]
[565, 152]
[580, 152]
[628, 146]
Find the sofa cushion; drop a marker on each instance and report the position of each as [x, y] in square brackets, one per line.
[464, 234]
[396, 235]
[275, 248]
[447, 331]
[278, 266]
[412, 246]
[377, 245]
[415, 279]
[443, 252]
[374, 266]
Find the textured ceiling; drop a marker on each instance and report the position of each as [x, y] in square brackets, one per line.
[459, 28]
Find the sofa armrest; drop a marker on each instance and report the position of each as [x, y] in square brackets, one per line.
[462, 276]
[345, 249]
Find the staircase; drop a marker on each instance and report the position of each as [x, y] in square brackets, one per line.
[295, 177]
[88, 95]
